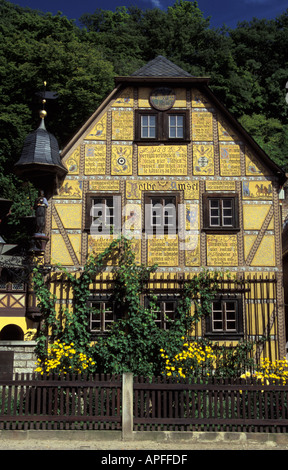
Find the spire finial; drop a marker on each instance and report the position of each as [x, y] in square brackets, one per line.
[43, 112]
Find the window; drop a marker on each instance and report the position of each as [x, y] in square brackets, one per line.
[226, 318]
[172, 125]
[176, 126]
[148, 127]
[103, 214]
[161, 214]
[165, 310]
[220, 212]
[102, 315]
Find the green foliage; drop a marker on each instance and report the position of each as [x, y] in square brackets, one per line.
[37, 47]
[134, 343]
[270, 134]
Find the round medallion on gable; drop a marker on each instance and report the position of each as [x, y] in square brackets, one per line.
[162, 98]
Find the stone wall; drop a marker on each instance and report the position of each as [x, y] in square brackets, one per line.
[24, 356]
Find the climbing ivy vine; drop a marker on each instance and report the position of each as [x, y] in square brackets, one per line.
[134, 342]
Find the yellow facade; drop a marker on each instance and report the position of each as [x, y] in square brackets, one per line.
[215, 159]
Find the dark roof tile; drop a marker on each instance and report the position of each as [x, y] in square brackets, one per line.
[160, 67]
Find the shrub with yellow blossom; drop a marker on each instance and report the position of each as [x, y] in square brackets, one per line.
[270, 372]
[64, 358]
[194, 358]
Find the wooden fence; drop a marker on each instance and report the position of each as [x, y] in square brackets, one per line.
[60, 402]
[210, 404]
[100, 403]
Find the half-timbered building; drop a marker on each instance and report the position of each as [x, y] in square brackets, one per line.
[165, 162]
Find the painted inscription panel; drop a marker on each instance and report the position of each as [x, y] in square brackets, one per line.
[98, 244]
[104, 185]
[220, 185]
[144, 94]
[122, 124]
[230, 164]
[162, 160]
[134, 188]
[95, 159]
[192, 216]
[253, 165]
[162, 251]
[222, 250]
[202, 126]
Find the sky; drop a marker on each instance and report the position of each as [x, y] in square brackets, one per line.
[228, 12]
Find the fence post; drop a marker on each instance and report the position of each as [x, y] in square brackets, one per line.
[127, 405]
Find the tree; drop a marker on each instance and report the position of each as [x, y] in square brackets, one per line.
[260, 46]
[270, 134]
[119, 36]
[40, 47]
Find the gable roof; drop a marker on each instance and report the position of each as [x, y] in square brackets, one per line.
[160, 67]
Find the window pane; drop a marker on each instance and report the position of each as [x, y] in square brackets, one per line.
[180, 126]
[148, 126]
[144, 132]
[217, 319]
[218, 326]
[214, 212]
[95, 317]
[227, 212]
[108, 313]
[227, 203]
[172, 120]
[102, 316]
[152, 132]
[230, 306]
[180, 134]
[172, 132]
[176, 126]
